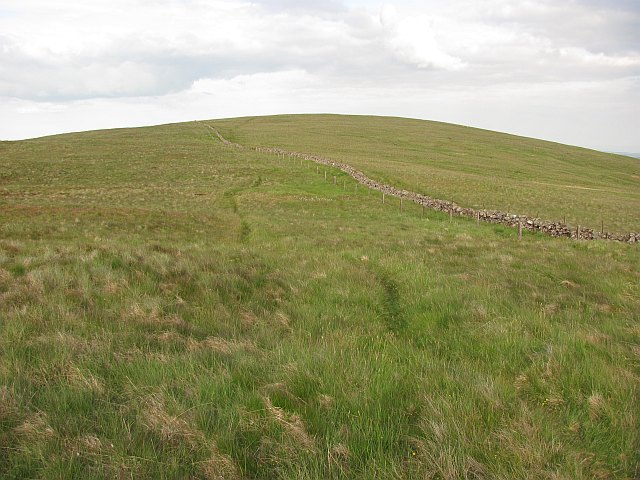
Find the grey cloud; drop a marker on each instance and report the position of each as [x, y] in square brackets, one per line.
[302, 6]
[597, 25]
[590, 40]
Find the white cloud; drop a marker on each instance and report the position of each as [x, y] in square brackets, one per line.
[581, 55]
[415, 40]
[177, 59]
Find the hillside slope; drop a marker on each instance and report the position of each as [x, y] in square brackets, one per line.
[475, 168]
[174, 308]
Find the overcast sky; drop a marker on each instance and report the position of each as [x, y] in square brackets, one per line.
[567, 71]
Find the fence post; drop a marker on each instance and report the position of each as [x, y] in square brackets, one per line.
[325, 175]
[519, 229]
[578, 232]
[450, 214]
[382, 197]
[334, 179]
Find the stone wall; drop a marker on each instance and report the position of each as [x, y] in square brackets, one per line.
[554, 229]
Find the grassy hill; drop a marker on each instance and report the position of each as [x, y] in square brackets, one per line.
[475, 168]
[174, 308]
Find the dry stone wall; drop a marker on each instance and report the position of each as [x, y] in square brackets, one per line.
[554, 229]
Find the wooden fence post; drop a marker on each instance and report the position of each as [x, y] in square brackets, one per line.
[578, 232]
[334, 179]
[325, 175]
[382, 197]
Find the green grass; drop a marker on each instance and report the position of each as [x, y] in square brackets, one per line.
[171, 308]
[475, 168]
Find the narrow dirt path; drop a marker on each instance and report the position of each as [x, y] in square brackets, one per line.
[554, 229]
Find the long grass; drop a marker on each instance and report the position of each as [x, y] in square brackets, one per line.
[172, 308]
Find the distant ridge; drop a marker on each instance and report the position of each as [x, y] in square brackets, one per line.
[627, 154]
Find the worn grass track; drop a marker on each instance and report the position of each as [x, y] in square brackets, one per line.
[174, 308]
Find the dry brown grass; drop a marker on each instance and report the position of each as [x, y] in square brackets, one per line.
[282, 320]
[171, 429]
[248, 318]
[524, 440]
[12, 248]
[5, 276]
[167, 337]
[338, 458]
[431, 459]
[35, 428]
[8, 403]
[151, 315]
[23, 290]
[69, 342]
[91, 443]
[175, 430]
[83, 380]
[112, 287]
[325, 401]
[85, 445]
[291, 423]
[596, 405]
[220, 345]
[521, 382]
[553, 402]
[219, 466]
